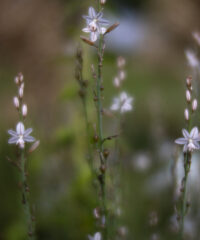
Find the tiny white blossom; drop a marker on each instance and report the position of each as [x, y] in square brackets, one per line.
[192, 59]
[24, 110]
[95, 23]
[20, 136]
[186, 114]
[123, 103]
[190, 140]
[97, 236]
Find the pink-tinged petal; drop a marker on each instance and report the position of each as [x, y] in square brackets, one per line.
[12, 133]
[194, 133]
[181, 141]
[12, 140]
[93, 36]
[91, 12]
[185, 133]
[87, 30]
[20, 128]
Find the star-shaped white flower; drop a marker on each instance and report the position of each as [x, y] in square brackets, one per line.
[95, 24]
[123, 103]
[97, 236]
[190, 140]
[20, 136]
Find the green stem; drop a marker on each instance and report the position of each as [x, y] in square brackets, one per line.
[102, 178]
[187, 163]
[25, 199]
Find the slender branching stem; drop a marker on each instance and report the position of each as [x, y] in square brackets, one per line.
[25, 198]
[187, 163]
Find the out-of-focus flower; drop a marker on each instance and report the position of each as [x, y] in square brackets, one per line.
[190, 140]
[20, 136]
[123, 103]
[97, 236]
[194, 105]
[192, 59]
[95, 24]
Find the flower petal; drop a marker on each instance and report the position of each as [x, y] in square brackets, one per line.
[20, 128]
[194, 133]
[185, 133]
[93, 36]
[27, 132]
[13, 140]
[87, 30]
[181, 141]
[185, 148]
[103, 21]
[99, 15]
[29, 139]
[12, 133]
[91, 12]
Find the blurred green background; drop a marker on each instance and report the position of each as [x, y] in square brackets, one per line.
[39, 38]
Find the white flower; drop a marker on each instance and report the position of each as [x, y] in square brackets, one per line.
[123, 103]
[20, 136]
[95, 24]
[97, 236]
[192, 59]
[190, 140]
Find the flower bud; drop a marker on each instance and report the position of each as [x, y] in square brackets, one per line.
[16, 102]
[186, 114]
[122, 75]
[24, 110]
[121, 62]
[188, 96]
[116, 82]
[103, 2]
[21, 91]
[16, 79]
[194, 105]
[189, 81]
[34, 146]
[21, 77]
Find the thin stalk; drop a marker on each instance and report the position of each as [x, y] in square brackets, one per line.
[187, 163]
[102, 177]
[25, 199]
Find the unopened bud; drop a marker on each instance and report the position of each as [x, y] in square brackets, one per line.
[121, 62]
[16, 80]
[21, 91]
[194, 105]
[16, 102]
[106, 153]
[96, 213]
[24, 110]
[186, 114]
[103, 2]
[122, 75]
[21, 77]
[116, 82]
[188, 96]
[34, 146]
[189, 81]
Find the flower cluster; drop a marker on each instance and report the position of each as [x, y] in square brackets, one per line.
[20, 136]
[95, 24]
[122, 103]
